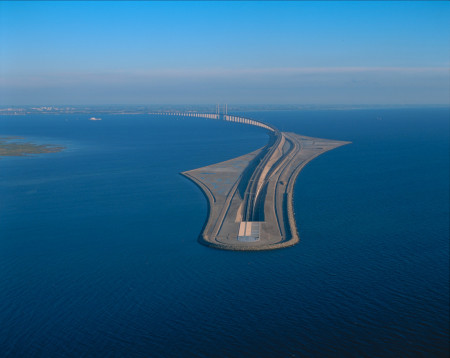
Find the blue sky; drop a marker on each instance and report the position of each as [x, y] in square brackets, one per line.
[236, 52]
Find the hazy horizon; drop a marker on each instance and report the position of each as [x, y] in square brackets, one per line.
[212, 107]
[316, 53]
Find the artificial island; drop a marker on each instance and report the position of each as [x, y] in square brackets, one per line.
[250, 198]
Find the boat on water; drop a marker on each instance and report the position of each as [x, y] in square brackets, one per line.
[95, 119]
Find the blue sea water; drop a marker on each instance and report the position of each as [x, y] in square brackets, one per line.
[99, 258]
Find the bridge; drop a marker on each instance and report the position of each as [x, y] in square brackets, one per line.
[250, 203]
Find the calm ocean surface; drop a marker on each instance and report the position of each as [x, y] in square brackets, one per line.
[99, 258]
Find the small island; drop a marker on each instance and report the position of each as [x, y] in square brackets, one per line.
[15, 147]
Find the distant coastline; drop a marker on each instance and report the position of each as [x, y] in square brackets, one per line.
[21, 110]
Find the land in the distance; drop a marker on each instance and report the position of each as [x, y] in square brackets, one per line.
[88, 111]
[9, 146]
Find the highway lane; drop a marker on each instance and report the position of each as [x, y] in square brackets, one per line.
[251, 207]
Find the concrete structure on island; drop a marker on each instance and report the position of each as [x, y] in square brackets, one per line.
[250, 200]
